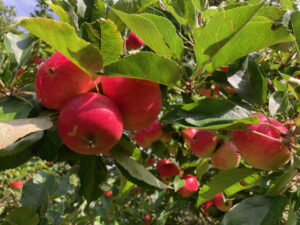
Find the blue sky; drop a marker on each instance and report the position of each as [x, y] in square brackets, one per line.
[23, 7]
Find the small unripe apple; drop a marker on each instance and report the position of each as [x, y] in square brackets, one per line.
[260, 151]
[190, 187]
[17, 184]
[133, 41]
[226, 156]
[167, 171]
[90, 124]
[220, 204]
[58, 80]
[139, 100]
[161, 162]
[147, 136]
[188, 135]
[203, 143]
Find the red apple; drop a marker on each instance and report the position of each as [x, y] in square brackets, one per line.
[188, 135]
[259, 151]
[108, 194]
[217, 89]
[203, 143]
[147, 136]
[147, 218]
[90, 124]
[220, 204]
[150, 162]
[136, 191]
[190, 187]
[206, 207]
[206, 92]
[139, 100]
[37, 60]
[226, 156]
[17, 184]
[224, 69]
[58, 80]
[161, 162]
[133, 42]
[19, 73]
[167, 171]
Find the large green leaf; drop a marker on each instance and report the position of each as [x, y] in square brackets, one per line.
[295, 19]
[146, 65]
[20, 45]
[92, 173]
[146, 30]
[111, 42]
[168, 31]
[271, 12]
[220, 182]
[63, 38]
[13, 108]
[12, 130]
[260, 210]
[23, 216]
[131, 167]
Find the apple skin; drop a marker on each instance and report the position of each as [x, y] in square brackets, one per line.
[167, 171]
[224, 69]
[203, 143]
[221, 204]
[188, 135]
[37, 60]
[90, 124]
[262, 152]
[161, 162]
[138, 100]
[17, 184]
[146, 219]
[133, 42]
[150, 161]
[58, 80]
[147, 136]
[190, 187]
[108, 194]
[226, 156]
[206, 206]
[19, 73]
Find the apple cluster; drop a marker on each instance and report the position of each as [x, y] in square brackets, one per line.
[90, 122]
[217, 206]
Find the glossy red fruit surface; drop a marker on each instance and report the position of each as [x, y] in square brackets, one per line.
[90, 124]
[226, 156]
[161, 162]
[148, 135]
[169, 170]
[190, 187]
[220, 204]
[259, 151]
[188, 135]
[203, 143]
[58, 80]
[133, 41]
[138, 100]
[17, 184]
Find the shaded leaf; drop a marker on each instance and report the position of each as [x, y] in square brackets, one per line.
[278, 102]
[92, 173]
[23, 216]
[261, 210]
[295, 19]
[220, 182]
[13, 108]
[62, 37]
[12, 130]
[148, 66]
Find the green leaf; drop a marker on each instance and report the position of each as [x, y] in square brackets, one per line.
[278, 102]
[271, 12]
[91, 10]
[133, 6]
[91, 32]
[67, 7]
[279, 85]
[134, 169]
[92, 173]
[111, 42]
[287, 4]
[62, 14]
[20, 45]
[222, 41]
[250, 82]
[295, 19]
[13, 108]
[23, 216]
[12, 130]
[168, 31]
[220, 182]
[62, 37]
[178, 183]
[202, 168]
[261, 210]
[146, 30]
[279, 184]
[148, 66]
[200, 4]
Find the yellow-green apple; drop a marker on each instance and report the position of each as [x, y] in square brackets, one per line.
[203, 143]
[266, 149]
[90, 123]
[58, 80]
[139, 100]
[226, 156]
[190, 187]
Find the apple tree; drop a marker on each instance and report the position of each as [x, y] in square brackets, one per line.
[152, 112]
